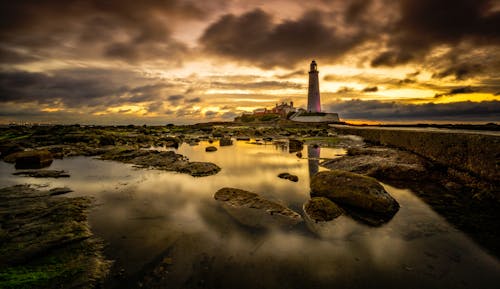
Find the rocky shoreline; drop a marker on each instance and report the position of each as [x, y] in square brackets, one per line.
[46, 241]
[467, 201]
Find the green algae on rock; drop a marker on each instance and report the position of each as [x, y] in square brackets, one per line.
[321, 209]
[46, 241]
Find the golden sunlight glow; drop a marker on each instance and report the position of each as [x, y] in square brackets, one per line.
[474, 97]
[51, 109]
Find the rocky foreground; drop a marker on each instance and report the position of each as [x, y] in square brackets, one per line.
[468, 202]
[46, 242]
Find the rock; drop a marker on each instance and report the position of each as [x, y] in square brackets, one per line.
[295, 145]
[105, 140]
[35, 159]
[43, 174]
[165, 160]
[299, 154]
[9, 148]
[199, 169]
[225, 141]
[210, 149]
[171, 141]
[245, 138]
[289, 177]
[42, 234]
[354, 190]
[59, 191]
[320, 209]
[252, 210]
[387, 164]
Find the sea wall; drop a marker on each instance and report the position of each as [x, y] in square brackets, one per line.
[478, 153]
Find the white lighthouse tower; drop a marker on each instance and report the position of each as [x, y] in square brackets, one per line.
[313, 112]
[313, 100]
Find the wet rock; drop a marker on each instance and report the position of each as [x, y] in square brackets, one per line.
[105, 140]
[354, 190]
[210, 149]
[198, 169]
[289, 177]
[295, 145]
[60, 191]
[171, 141]
[42, 235]
[8, 148]
[166, 160]
[43, 174]
[34, 159]
[225, 141]
[320, 209]
[252, 210]
[380, 162]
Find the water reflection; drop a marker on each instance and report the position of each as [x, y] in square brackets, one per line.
[313, 155]
[146, 216]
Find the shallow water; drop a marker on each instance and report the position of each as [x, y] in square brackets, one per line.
[146, 216]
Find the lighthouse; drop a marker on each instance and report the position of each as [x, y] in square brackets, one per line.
[313, 102]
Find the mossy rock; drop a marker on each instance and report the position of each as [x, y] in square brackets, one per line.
[320, 209]
[354, 190]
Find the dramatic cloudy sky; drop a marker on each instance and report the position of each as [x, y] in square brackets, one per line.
[185, 61]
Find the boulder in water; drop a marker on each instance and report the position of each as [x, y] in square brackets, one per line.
[289, 177]
[353, 190]
[210, 149]
[34, 159]
[252, 210]
[321, 209]
[225, 141]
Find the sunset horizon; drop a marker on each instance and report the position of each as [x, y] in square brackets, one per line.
[185, 62]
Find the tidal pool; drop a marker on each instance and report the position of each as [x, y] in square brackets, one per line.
[165, 230]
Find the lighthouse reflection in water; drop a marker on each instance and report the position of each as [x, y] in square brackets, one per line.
[313, 155]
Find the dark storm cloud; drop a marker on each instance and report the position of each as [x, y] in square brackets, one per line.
[175, 99]
[147, 92]
[270, 84]
[210, 114]
[370, 89]
[43, 88]
[255, 37]
[192, 100]
[78, 87]
[345, 89]
[229, 115]
[458, 111]
[425, 24]
[458, 90]
[123, 29]
[460, 71]
[299, 73]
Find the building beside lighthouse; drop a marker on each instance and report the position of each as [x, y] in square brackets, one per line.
[313, 98]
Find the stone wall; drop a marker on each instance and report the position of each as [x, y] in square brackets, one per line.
[478, 153]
